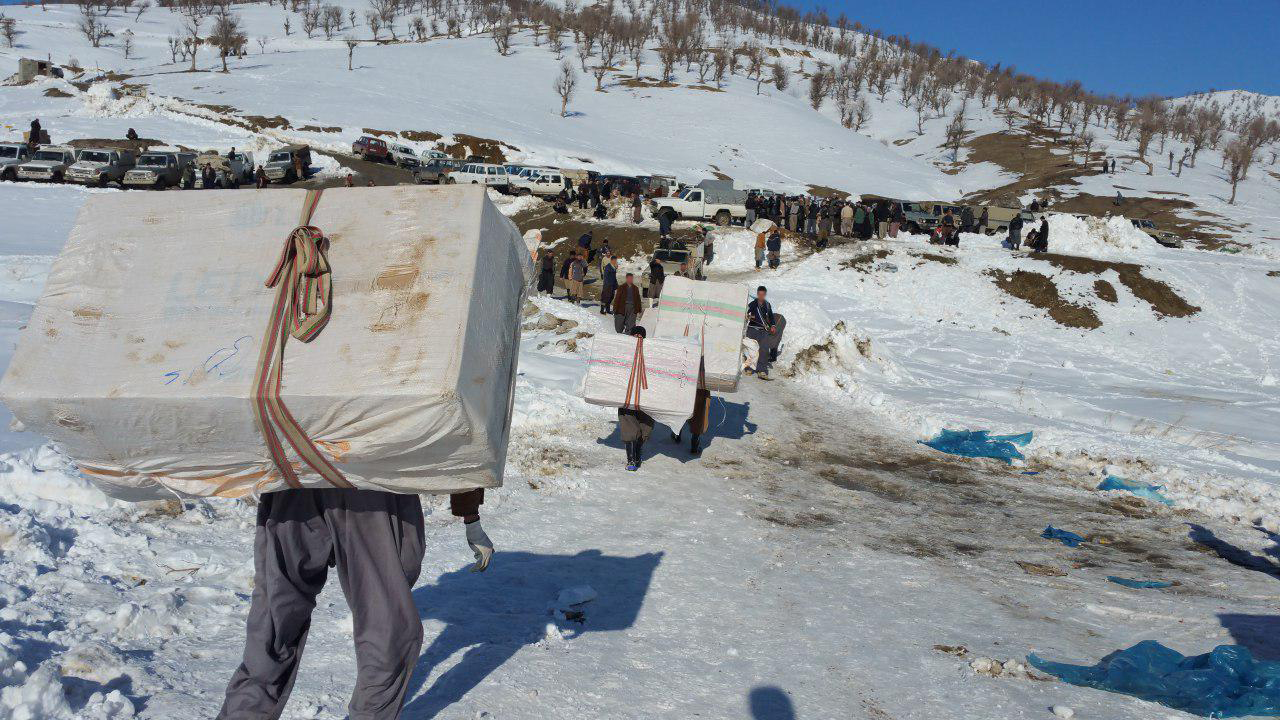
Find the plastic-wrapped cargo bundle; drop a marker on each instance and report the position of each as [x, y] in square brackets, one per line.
[159, 358]
[653, 375]
[715, 315]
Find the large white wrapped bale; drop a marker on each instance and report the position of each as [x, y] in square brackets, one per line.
[663, 388]
[713, 314]
[140, 357]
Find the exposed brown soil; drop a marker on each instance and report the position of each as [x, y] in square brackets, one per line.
[647, 82]
[1026, 152]
[862, 263]
[822, 191]
[1105, 291]
[420, 135]
[138, 146]
[1274, 273]
[492, 151]
[54, 92]
[944, 259]
[378, 133]
[1031, 568]
[1162, 298]
[317, 128]
[1040, 291]
[708, 88]
[261, 122]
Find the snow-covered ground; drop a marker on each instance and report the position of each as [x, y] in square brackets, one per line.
[790, 566]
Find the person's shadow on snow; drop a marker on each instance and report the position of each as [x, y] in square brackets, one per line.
[728, 420]
[770, 703]
[491, 615]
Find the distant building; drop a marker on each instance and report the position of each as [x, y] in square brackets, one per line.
[29, 70]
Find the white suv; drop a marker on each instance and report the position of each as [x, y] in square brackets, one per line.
[403, 155]
[50, 164]
[482, 174]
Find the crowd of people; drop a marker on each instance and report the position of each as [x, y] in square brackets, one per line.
[821, 218]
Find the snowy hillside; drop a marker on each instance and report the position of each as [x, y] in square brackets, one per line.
[815, 561]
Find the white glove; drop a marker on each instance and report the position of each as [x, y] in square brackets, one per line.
[480, 544]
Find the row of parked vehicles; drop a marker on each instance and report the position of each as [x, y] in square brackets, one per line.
[154, 169]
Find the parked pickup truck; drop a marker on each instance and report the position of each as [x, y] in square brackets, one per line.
[371, 149]
[713, 200]
[158, 170]
[49, 164]
[543, 182]
[281, 164]
[99, 166]
[1163, 237]
[11, 156]
[231, 170]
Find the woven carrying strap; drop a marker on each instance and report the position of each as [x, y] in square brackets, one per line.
[638, 379]
[301, 310]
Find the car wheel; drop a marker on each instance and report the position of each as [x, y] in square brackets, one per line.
[9, 175]
[450, 181]
[913, 228]
[723, 218]
[161, 184]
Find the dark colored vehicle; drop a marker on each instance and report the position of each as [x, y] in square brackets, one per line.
[624, 184]
[435, 172]
[371, 149]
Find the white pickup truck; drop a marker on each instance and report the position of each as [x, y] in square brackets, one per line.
[99, 166]
[543, 182]
[49, 164]
[11, 156]
[709, 200]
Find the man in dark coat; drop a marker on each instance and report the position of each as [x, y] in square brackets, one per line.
[584, 194]
[966, 219]
[628, 306]
[657, 276]
[634, 425]
[608, 284]
[881, 214]
[1015, 232]
[774, 247]
[983, 220]
[1042, 241]
[33, 137]
[547, 273]
[762, 327]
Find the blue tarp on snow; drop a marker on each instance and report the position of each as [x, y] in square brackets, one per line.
[1067, 537]
[1139, 584]
[1225, 683]
[1150, 492]
[979, 443]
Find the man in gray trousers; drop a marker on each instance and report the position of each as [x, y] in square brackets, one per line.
[375, 540]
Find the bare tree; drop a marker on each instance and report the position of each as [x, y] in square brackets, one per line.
[351, 49]
[956, 131]
[1239, 156]
[140, 8]
[192, 40]
[286, 26]
[861, 113]
[310, 19]
[1087, 139]
[555, 40]
[502, 35]
[780, 76]
[566, 82]
[818, 84]
[227, 35]
[719, 64]
[175, 44]
[374, 21]
[9, 28]
[93, 29]
[608, 54]
[126, 44]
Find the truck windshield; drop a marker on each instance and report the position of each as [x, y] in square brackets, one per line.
[96, 156]
[152, 161]
[279, 157]
[8, 152]
[54, 155]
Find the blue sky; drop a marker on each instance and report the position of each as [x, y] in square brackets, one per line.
[1166, 47]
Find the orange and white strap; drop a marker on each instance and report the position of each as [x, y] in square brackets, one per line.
[301, 310]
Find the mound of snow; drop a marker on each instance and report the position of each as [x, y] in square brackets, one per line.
[839, 355]
[1096, 237]
[735, 249]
